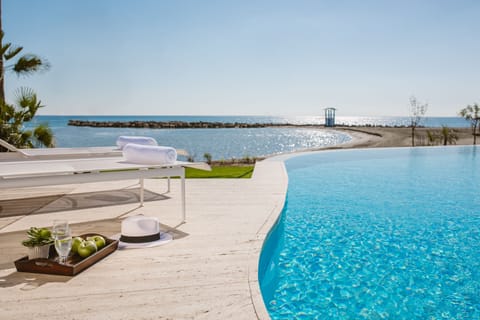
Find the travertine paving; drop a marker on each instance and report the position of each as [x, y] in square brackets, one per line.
[209, 271]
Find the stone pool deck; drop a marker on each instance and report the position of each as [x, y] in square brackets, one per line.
[209, 270]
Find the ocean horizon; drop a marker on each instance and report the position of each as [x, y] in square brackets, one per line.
[225, 143]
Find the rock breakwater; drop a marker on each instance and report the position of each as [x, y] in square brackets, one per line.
[171, 124]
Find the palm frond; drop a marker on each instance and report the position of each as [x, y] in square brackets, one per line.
[43, 136]
[29, 64]
[25, 97]
[11, 52]
[7, 112]
[431, 137]
[448, 135]
[25, 139]
[28, 102]
[4, 48]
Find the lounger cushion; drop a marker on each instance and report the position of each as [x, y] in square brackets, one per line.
[141, 154]
[148, 141]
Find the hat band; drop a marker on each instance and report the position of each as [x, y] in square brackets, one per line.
[140, 239]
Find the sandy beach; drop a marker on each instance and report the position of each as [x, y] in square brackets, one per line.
[383, 137]
[220, 244]
[390, 137]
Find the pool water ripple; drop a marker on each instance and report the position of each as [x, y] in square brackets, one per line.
[377, 234]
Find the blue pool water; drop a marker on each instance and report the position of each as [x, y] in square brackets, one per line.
[376, 234]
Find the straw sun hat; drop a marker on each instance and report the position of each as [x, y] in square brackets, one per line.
[141, 232]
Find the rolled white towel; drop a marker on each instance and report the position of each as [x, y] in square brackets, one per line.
[141, 154]
[147, 141]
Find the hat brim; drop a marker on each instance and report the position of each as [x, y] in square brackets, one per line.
[165, 237]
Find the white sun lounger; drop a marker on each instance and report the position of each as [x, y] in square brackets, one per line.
[20, 174]
[62, 153]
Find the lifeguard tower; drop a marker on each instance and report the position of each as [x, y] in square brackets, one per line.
[330, 117]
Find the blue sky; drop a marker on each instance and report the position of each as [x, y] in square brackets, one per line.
[181, 57]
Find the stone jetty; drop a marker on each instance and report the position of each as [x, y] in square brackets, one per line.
[171, 124]
[207, 125]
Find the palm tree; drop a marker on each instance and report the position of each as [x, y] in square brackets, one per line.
[431, 138]
[448, 136]
[12, 117]
[25, 65]
[472, 114]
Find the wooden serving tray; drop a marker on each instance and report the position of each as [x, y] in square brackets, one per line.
[75, 264]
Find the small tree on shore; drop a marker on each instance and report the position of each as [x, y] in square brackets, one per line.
[448, 136]
[417, 113]
[472, 114]
[444, 136]
[208, 157]
[431, 138]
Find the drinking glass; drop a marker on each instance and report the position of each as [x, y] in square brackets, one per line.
[60, 227]
[63, 239]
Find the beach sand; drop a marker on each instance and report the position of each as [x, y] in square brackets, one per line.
[383, 137]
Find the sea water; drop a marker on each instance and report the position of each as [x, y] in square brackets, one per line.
[223, 143]
[377, 234]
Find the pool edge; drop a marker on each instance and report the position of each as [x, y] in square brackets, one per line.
[261, 235]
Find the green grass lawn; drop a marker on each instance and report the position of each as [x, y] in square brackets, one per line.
[229, 172]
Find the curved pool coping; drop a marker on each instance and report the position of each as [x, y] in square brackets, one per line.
[266, 229]
[261, 235]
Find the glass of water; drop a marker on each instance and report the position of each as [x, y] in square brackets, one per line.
[60, 227]
[63, 239]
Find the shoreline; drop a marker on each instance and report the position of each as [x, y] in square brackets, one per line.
[381, 137]
[384, 137]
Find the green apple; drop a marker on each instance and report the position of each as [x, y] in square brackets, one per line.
[45, 233]
[99, 241]
[86, 248]
[76, 243]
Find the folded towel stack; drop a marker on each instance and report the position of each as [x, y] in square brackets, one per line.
[144, 154]
[147, 141]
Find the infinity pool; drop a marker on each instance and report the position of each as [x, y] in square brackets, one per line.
[374, 234]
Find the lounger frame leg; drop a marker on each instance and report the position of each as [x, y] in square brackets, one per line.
[182, 181]
[142, 191]
[168, 184]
